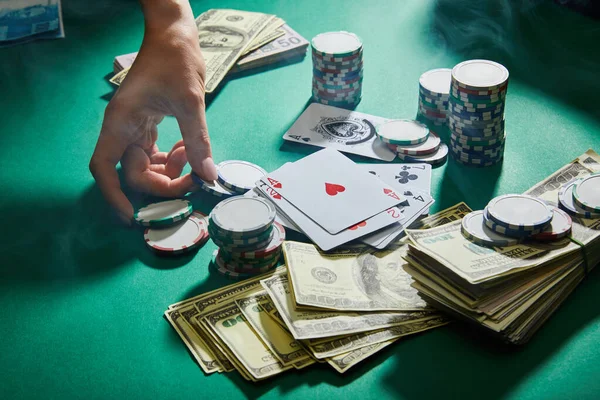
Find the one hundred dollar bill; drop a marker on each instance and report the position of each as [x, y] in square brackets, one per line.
[343, 362]
[355, 282]
[317, 324]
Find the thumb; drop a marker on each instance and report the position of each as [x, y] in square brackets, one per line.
[192, 123]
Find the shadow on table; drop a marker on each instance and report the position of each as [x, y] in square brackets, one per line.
[542, 44]
[463, 362]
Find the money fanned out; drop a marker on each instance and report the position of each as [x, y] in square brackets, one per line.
[234, 41]
[513, 290]
[256, 326]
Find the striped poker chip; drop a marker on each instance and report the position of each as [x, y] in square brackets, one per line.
[246, 269]
[243, 215]
[178, 238]
[480, 75]
[226, 256]
[565, 196]
[436, 81]
[474, 160]
[515, 233]
[496, 122]
[218, 266]
[336, 44]
[228, 236]
[437, 158]
[519, 212]
[433, 113]
[558, 228]
[350, 103]
[335, 59]
[431, 145]
[163, 213]
[214, 188]
[496, 97]
[478, 163]
[586, 193]
[273, 246]
[485, 134]
[230, 247]
[473, 228]
[241, 265]
[239, 176]
[474, 149]
[402, 132]
[261, 237]
[477, 141]
[480, 92]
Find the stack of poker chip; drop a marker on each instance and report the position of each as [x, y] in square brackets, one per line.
[509, 219]
[172, 227]
[337, 69]
[476, 112]
[434, 94]
[248, 237]
[235, 178]
[581, 197]
[412, 142]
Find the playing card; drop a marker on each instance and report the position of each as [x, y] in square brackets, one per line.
[280, 217]
[340, 129]
[403, 176]
[412, 208]
[332, 190]
[322, 238]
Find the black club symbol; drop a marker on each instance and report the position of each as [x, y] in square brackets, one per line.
[405, 177]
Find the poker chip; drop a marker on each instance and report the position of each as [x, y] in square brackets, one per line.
[402, 132]
[586, 193]
[473, 228]
[221, 268]
[434, 93]
[243, 215]
[477, 158]
[273, 246]
[178, 238]
[480, 75]
[431, 145]
[519, 212]
[434, 159]
[213, 187]
[567, 202]
[477, 141]
[242, 266]
[558, 228]
[163, 213]
[503, 230]
[239, 176]
[241, 241]
[337, 59]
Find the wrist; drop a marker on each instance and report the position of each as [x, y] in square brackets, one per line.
[160, 14]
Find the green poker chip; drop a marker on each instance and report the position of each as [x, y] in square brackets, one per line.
[163, 213]
[222, 268]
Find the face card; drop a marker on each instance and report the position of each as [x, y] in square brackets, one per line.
[325, 240]
[403, 176]
[412, 208]
[340, 129]
[332, 190]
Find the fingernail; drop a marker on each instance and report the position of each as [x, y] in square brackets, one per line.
[209, 171]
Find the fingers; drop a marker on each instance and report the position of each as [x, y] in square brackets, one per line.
[107, 154]
[155, 179]
[192, 123]
[176, 162]
[176, 146]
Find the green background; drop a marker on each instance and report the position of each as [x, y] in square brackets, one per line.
[81, 296]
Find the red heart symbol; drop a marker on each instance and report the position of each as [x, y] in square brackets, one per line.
[274, 183]
[391, 193]
[332, 189]
[276, 196]
[359, 225]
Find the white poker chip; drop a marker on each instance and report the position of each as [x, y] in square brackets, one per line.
[243, 215]
[336, 44]
[403, 132]
[519, 212]
[480, 74]
[559, 227]
[474, 229]
[437, 81]
[164, 213]
[239, 176]
[214, 187]
[437, 158]
[427, 147]
[565, 196]
[586, 193]
[180, 237]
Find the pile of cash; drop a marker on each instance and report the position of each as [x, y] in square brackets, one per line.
[22, 21]
[338, 308]
[510, 290]
[234, 41]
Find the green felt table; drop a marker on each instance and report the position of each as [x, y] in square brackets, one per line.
[82, 298]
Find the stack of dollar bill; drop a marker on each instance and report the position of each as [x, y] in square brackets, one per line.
[337, 309]
[233, 41]
[24, 20]
[511, 290]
